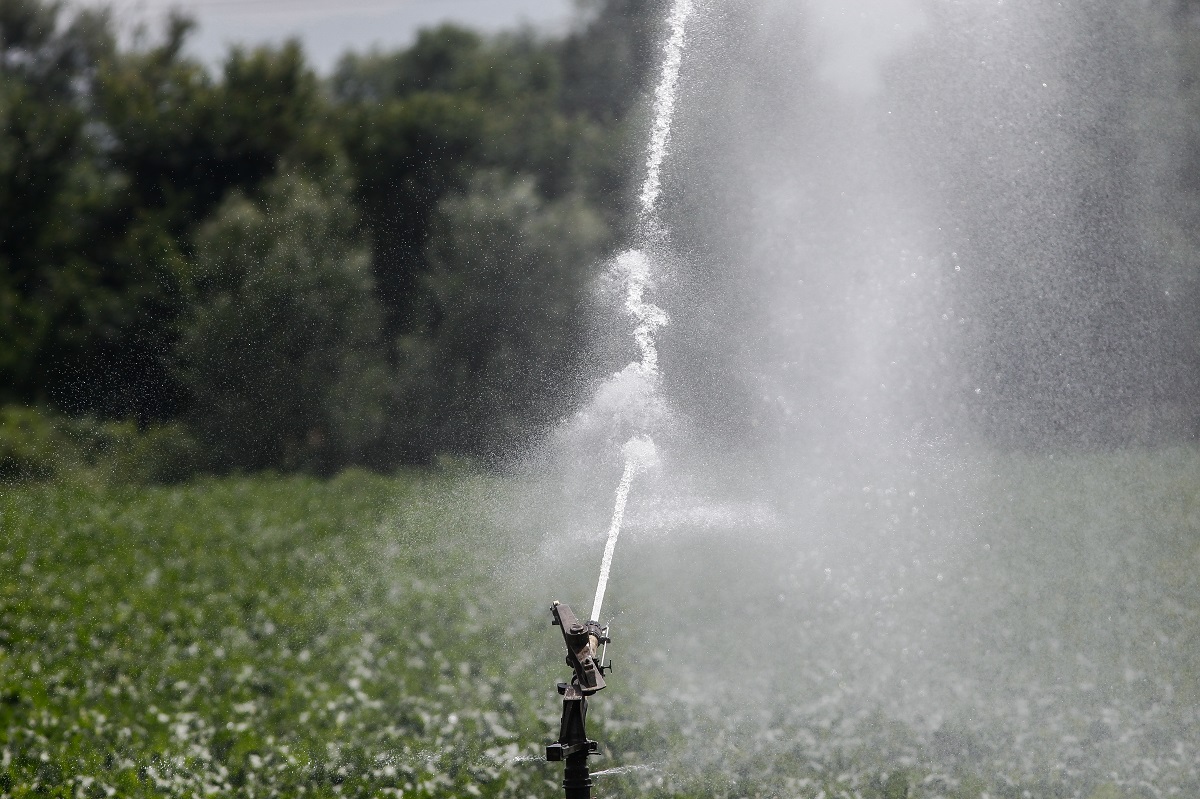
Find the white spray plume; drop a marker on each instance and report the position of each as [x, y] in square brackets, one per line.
[664, 109]
[634, 267]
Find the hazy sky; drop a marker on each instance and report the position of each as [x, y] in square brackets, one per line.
[330, 27]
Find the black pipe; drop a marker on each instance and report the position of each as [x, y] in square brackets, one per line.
[577, 780]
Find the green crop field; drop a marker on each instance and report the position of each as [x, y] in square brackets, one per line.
[262, 636]
[389, 636]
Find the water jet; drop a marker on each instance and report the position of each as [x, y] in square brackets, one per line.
[583, 639]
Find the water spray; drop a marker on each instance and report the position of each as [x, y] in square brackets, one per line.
[584, 639]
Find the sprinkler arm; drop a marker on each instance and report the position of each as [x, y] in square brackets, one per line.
[583, 640]
[573, 747]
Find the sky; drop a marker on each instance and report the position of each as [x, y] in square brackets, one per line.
[330, 27]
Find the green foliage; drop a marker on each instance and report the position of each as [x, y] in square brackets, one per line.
[279, 353]
[182, 139]
[37, 446]
[154, 263]
[31, 447]
[508, 291]
[47, 52]
[607, 63]
[109, 160]
[420, 122]
[23, 322]
[449, 60]
[404, 156]
[270, 635]
[253, 636]
[50, 194]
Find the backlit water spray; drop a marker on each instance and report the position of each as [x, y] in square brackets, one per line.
[634, 267]
[912, 533]
[635, 390]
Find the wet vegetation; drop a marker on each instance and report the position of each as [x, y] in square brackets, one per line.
[266, 637]
[284, 636]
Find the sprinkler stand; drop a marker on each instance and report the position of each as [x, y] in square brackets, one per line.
[573, 746]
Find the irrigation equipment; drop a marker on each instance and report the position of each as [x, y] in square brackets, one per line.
[585, 657]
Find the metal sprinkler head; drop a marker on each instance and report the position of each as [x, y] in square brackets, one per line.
[573, 747]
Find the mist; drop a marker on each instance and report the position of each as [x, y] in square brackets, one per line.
[924, 419]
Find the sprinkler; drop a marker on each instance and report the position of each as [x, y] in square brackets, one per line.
[583, 639]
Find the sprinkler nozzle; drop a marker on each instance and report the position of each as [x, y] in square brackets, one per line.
[583, 640]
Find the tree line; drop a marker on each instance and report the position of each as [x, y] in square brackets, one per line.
[287, 270]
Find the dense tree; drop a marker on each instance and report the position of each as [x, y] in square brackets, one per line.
[109, 160]
[607, 61]
[390, 264]
[501, 355]
[405, 155]
[279, 350]
[181, 139]
[49, 54]
[419, 122]
[52, 191]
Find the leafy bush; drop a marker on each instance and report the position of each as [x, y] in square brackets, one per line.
[508, 281]
[165, 453]
[280, 353]
[36, 445]
[30, 445]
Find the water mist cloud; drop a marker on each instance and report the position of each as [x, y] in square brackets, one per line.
[854, 39]
[910, 318]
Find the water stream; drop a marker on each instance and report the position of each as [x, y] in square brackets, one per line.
[635, 269]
